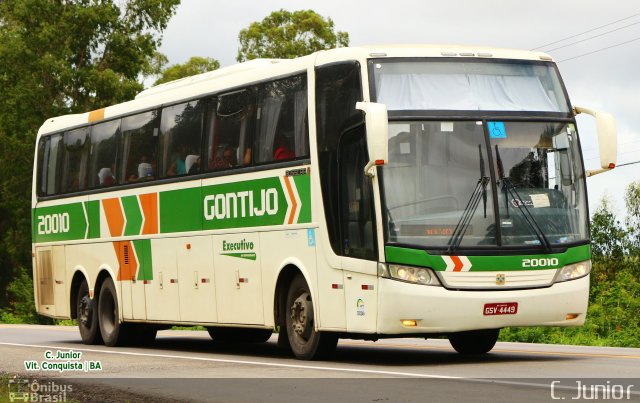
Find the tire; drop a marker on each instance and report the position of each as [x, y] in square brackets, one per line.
[305, 341]
[113, 332]
[475, 341]
[87, 316]
[239, 335]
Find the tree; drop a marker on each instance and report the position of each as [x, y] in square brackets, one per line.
[193, 66]
[608, 237]
[59, 57]
[632, 201]
[284, 34]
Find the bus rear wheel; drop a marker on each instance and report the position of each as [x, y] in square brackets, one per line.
[306, 342]
[113, 332]
[474, 341]
[87, 316]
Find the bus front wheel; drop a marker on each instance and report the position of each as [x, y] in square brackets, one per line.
[306, 342]
[474, 341]
[87, 316]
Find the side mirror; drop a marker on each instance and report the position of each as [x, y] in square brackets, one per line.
[377, 126]
[607, 139]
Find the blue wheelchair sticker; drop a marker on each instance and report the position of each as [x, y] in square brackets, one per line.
[311, 237]
[497, 130]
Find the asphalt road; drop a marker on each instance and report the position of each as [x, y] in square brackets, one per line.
[188, 366]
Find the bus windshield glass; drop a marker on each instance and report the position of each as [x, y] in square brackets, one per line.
[476, 184]
[486, 85]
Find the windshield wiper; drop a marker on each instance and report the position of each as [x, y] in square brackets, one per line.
[508, 188]
[480, 191]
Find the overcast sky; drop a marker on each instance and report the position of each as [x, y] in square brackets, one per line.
[608, 80]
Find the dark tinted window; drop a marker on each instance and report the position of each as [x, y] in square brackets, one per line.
[138, 147]
[75, 154]
[230, 130]
[282, 121]
[180, 139]
[42, 167]
[102, 159]
[53, 162]
[338, 88]
[356, 197]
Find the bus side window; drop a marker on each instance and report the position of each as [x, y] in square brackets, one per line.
[74, 161]
[54, 165]
[230, 130]
[42, 168]
[356, 197]
[138, 147]
[338, 88]
[102, 159]
[282, 121]
[180, 139]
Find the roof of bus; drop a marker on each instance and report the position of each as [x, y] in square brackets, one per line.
[262, 69]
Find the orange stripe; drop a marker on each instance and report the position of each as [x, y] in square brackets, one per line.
[127, 271]
[293, 199]
[458, 263]
[149, 204]
[115, 218]
[96, 115]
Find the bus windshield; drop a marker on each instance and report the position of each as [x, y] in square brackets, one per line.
[447, 180]
[481, 84]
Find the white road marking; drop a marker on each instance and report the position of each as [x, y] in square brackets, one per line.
[310, 367]
[228, 361]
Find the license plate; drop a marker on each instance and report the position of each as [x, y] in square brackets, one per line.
[501, 308]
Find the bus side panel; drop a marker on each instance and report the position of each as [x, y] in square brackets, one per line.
[50, 290]
[331, 289]
[162, 292]
[196, 279]
[282, 248]
[238, 278]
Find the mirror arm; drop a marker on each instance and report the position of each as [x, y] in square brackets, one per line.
[368, 169]
[606, 129]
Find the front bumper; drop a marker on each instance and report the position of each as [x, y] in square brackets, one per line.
[438, 310]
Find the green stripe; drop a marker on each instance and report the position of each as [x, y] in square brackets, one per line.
[143, 251]
[303, 184]
[242, 255]
[417, 257]
[59, 223]
[181, 210]
[93, 212]
[133, 215]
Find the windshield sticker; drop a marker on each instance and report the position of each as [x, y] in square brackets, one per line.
[405, 148]
[540, 200]
[497, 130]
[446, 126]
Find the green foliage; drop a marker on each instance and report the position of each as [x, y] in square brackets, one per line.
[285, 35]
[21, 302]
[193, 66]
[56, 58]
[614, 297]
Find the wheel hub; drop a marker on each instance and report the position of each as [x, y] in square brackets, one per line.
[84, 311]
[302, 315]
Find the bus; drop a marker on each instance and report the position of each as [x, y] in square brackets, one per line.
[364, 193]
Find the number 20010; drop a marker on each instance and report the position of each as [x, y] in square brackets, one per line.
[53, 224]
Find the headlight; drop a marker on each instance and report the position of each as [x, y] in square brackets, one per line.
[573, 271]
[418, 275]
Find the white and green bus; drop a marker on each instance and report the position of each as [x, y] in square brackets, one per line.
[372, 192]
